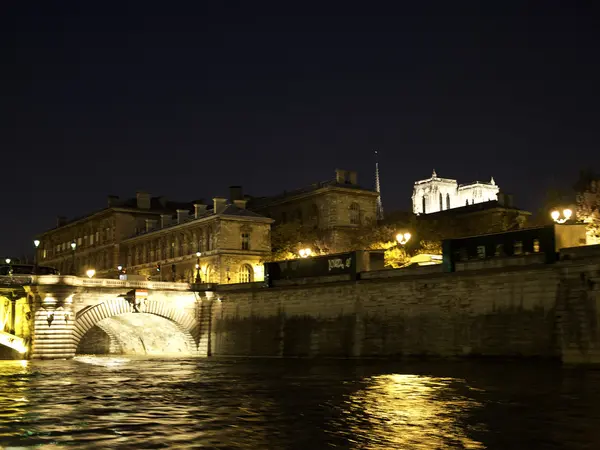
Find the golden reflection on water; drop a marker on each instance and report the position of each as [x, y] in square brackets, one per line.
[412, 412]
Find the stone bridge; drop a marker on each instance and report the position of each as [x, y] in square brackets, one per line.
[53, 317]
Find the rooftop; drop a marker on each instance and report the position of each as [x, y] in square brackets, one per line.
[258, 202]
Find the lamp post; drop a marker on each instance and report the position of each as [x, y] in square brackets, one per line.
[73, 247]
[90, 273]
[36, 244]
[566, 215]
[403, 238]
[198, 280]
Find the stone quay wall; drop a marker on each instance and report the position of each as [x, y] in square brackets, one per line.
[518, 308]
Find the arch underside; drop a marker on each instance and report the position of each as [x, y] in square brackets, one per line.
[115, 326]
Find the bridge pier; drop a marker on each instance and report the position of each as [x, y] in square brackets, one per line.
[53, 324]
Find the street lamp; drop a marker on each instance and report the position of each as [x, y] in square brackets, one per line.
[403, 238]
[566, 215]
[7, 260]
[305, 252]
[73, 247]
[198, 280]
[36, 244]
[90, 273]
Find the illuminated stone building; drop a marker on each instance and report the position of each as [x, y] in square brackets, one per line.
[334, 207]
[142, 233]
[439, 194]
[232, 242]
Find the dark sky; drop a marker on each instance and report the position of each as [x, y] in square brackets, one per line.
[187, 98]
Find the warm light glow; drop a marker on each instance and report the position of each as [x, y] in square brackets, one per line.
[403, 238]
[12, 341]
[119, 268]
[410, 411]
[566, 215]
[197, 266]
[73, 245]
[36, 243]
[198, 254]
[305, 252]
[7, 260]
[259, 272]
[90, 273]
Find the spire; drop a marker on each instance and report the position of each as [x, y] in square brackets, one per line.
[493, 182]
[434, 175]
[378, 189]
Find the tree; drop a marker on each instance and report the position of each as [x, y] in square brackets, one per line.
[588, 205]
[288, 238]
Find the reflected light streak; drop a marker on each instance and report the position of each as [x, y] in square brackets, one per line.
[410, 411]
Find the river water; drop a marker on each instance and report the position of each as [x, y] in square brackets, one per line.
[122, 402]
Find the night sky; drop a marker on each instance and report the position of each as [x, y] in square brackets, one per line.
[106, 98]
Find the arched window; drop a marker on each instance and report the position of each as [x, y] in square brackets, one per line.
[209, 275]
[441, 202]
[447, 201]
[245, 274]
[424, 208]
[354, 214]
[172, 249]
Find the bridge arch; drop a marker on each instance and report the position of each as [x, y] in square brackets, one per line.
[89, 317]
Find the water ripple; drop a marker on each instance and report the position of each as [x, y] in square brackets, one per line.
[99, 403]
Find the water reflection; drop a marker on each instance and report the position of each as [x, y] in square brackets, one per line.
[410, 411]
[108, 402]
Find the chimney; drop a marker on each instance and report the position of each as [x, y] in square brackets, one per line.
[151, 224]
[60, 221]
[113, 200]
[235, 193]
[143, 200]
[220, 204]
[240, 203]
[199, 209]
[505, 200]
[165, 220]
[182, 215]
[340, 176]
[352, 177]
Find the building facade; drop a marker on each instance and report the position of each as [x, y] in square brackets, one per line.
[139, 235]
[334, 207]
[438, 194]
[225, 244]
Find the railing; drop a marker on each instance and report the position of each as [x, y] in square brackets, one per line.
[69, 280]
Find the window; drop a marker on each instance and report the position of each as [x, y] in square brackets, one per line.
[209, 241]
[314, 215]
[245, 274]
[180, 245]
[441, 202]
[283, 217]
[518, 249]
[172, 250]
[499, 250]
[536, 246]
[481, 251]
[447, 201]
[209, 275]
[424, 208]
[354, 214]
[245, 241]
